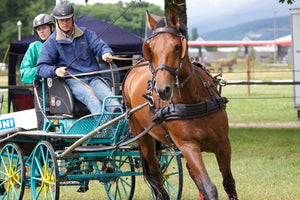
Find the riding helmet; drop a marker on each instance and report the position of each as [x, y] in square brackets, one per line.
[63, 11]
[42, 19]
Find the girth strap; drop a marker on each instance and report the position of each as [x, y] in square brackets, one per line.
[188, 111]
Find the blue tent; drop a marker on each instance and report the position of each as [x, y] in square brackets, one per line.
[121, 42]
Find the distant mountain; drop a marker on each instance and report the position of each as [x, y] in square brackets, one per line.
[254, 30]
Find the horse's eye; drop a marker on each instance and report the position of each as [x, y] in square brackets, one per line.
[150, 51]
[177, 47]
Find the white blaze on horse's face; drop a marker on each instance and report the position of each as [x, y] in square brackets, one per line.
[165, 52]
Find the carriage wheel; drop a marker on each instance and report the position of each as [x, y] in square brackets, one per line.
[171, 167]
[12, 172]
[121, 186]
[44, 172]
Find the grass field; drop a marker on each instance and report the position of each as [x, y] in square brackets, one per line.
[265, 165]
[265, 162]
[266, 103]
[260, 103]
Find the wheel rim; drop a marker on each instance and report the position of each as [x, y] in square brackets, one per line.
[172, 175]
[12, 172]
[44, 172]
[121, 186]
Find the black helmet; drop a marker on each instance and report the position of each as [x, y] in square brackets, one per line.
[42, 19]
[63, 11]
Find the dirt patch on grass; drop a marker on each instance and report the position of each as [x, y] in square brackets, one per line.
[266, 125]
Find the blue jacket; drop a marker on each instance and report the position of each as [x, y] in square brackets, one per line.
[57, 51]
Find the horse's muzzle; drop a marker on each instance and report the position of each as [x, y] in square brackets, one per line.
[165, 93]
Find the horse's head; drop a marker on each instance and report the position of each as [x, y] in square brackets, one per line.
[165, 50]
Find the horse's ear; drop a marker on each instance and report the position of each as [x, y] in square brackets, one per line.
[174, 20]
[146, 51]
[183, 47]
[150, 21]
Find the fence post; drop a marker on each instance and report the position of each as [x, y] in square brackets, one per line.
[248, 72]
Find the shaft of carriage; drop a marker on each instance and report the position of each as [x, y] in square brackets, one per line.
[97, 130]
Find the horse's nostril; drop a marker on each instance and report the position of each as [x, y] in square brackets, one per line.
[165, 94]
[168, 90]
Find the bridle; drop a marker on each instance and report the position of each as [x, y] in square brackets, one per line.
[174, 73]
[175, 111]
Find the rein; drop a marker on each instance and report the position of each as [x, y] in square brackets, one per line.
[109, 70]
[102, 71]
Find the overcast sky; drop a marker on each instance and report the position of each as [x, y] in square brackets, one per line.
[213, 14]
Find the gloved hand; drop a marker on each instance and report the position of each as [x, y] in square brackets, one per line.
[107, 57]
[61, 71]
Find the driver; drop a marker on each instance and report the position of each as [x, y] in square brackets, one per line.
[68, 45]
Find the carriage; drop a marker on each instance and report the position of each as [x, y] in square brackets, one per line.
[74, 148]
[183, 117]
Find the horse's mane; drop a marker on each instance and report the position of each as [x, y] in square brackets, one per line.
[164, 22]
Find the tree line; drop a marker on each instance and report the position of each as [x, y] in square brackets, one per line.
[25, 10]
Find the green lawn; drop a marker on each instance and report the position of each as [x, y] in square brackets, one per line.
[266, 103]
[265, 162]
[265, 165]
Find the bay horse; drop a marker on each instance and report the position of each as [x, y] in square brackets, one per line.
[228, 64]
[189, 111]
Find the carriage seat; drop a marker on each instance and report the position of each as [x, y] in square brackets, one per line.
[61, 100]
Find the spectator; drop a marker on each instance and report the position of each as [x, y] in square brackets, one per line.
[77, 48]
[43, 26]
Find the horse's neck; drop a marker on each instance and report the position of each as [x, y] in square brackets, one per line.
[194, 90]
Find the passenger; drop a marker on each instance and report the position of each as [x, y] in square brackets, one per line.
[43, 26]
[77, 48]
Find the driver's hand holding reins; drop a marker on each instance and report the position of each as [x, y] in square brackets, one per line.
[61, 72]
[107, 57]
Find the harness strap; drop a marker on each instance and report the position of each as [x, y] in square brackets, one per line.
[166, 30]
[180, 85]
[188, 111]
[167, 134]
[169, 69]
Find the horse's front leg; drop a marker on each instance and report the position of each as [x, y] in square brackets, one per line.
[198, 172]
[198, 184]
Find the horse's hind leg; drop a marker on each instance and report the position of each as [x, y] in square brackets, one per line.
[223, 158]
[151, 169]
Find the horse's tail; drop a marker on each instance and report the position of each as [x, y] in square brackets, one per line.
[156, 185]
